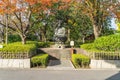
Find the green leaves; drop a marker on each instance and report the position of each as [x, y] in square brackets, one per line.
[105, 43]
[40, 60]
[80, 60]
[17, 48]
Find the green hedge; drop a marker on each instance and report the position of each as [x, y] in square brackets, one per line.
[105, 43]
[18, 50]
[80, 60]
[88, 46]
[44, 44]
[18, 47]
[40, 60]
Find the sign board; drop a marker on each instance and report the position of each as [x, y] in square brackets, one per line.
[1, 46]
[71, 43]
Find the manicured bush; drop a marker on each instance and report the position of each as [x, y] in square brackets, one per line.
[88, 46]
[80, 60]
[108, 43]
[40, 60]
[44, 44]
[105, 43]
[18, 48]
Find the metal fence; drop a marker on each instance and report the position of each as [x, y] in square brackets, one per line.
[105, 55]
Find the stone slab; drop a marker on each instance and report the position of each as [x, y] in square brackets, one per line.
[103, 64]
[14, 63]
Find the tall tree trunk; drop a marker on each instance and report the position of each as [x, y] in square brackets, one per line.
[83, 39]
[23, 38]
[68, 35]
[6, 36]
[43, 34]
[96, 31]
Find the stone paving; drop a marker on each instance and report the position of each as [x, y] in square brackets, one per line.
[60, 65]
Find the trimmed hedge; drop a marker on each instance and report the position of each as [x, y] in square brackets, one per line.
[80, 60]
[17, 50]
[18, 47]
[40, 60]
[88, 46]
[105, 43]
[44, 44]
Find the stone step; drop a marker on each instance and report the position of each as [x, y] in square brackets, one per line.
[56, 53]
[60, 65]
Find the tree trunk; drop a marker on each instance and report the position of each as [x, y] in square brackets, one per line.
[96, 31]
[83, 39]
[6, 38]
[68, 35]
[23, 38]
[43, 34]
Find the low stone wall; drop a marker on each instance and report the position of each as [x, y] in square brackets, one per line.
[102, 64]
[14, 63]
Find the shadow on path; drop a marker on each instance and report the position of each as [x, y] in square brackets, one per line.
[114, 77]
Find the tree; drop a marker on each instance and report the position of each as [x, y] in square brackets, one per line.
[21, 14]
[80, 25]
[51, 14]
[98, 11]
[6, 7]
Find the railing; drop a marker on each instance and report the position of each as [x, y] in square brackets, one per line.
[105, 55]
[8, 55]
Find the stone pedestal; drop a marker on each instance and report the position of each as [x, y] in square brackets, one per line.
[59, 46]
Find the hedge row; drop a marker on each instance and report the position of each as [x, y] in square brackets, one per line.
[40, 60]
[44, 44]
[105, 43]
[80, 60]
[18, 47]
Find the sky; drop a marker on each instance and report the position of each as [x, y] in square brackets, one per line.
[113, 24]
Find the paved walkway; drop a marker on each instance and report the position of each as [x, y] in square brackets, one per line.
[60, 65]
[59, 74]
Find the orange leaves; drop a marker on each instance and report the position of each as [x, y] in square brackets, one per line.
[66, 1]
[46, 2]
[31, 2]
[7, 6]
[65, 4]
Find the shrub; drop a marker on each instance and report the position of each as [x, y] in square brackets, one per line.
[13, 38]
[40, 60]
[88, 46]
[18, 48]
[44, 44]
[108, 43]
[80, 60]
[105, 43]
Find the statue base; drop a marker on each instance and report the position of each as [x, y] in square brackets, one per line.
[59, 46]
